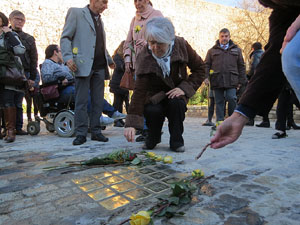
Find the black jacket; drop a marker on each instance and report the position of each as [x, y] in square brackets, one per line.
[281, 4]
[30, 58]
[117, 76]
[254, 60]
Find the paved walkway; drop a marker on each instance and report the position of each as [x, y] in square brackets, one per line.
[257, 180]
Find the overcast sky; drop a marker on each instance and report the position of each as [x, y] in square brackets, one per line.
[224, 2]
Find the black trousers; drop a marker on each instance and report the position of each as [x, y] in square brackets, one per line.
[31, 99]
[283, 107]
[284, 110]
[268, 80]
[174, 110]
[211, 109]
[118, 102]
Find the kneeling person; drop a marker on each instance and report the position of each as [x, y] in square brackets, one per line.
[163, 87]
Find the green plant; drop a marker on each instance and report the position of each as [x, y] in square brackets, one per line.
[200, 97]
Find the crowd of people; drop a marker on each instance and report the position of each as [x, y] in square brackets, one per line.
[158, 61]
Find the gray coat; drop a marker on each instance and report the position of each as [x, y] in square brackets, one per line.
[79, 32]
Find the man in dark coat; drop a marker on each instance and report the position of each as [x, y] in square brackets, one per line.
[29, 62]
[225, 68]
[268, 79]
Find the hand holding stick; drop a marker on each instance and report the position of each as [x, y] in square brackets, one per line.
[203, 150]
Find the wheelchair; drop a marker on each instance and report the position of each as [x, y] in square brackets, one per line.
[58, 117]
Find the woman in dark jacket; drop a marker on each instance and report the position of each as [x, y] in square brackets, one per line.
[163, 87]
[9, 43]
[120, 95]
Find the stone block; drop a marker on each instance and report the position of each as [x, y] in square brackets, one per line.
[21, 204]
[30, 192]
[53, 195]
[4, 219]
[32, 211]
[10, 196]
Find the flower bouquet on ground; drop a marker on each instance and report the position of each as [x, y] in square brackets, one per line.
[116, 158]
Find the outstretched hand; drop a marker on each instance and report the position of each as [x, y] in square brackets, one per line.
[229, 131]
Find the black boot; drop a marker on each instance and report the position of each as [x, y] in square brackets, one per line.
[264, 124]
[142, 137]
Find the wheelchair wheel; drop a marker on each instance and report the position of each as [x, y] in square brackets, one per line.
[50, 127]
[33, 128]
[64, 124]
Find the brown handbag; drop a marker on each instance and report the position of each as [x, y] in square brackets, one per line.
[127, 81]
[50, 92]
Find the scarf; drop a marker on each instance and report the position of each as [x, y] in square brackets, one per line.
[165, 61]
[144, 15]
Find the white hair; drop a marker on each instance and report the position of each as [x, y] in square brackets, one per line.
[160, 29]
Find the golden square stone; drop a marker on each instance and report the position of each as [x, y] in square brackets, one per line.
[129, 176]
[112, 180]
[142, 180]
[82, 180]
[114, 202]
[124, 186]
[101, 194]
[91, 186]
[102, 175]
[137, 194]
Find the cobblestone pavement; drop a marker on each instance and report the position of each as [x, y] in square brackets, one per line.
[257, 180]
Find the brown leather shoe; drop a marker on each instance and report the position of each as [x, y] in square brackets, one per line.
[10, 120]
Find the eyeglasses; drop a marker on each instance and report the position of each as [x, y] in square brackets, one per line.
[19, 19]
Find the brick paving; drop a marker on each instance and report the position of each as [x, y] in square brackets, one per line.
[257, 180]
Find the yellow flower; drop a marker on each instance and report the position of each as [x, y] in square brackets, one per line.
[151, 154]
[158, 158]
[75, 51]
[141, 218]
[211, 71]
[137, 28]
[168, 159]
[197, 173]
[218, 123]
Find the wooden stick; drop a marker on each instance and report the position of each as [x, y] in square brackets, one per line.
[203, 150]
[205, 179]
[125, 221]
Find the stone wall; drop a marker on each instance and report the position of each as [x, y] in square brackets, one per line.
[196, 20]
